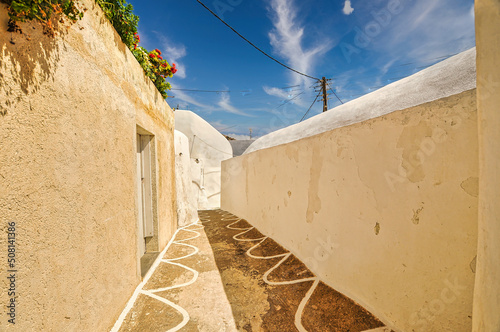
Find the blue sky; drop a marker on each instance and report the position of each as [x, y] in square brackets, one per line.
[362, 45]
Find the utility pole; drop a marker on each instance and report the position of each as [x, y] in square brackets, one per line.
[325, 95]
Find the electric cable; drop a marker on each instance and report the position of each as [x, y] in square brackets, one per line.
[257, 48]
[310, 107]
[195, 90]
[290, 100]
[335, 93]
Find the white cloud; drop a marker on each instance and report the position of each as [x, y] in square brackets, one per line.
[188, 100]
[242, 134]
[184, 100]
[276, 92]
[427, 29]
[287, 37]
[222, 127]
[173, 53]
[225, 104]
[348, 10]
[294, 97]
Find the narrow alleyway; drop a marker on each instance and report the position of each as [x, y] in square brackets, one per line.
[222, 274]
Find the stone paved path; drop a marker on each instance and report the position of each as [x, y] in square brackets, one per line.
[222, 274]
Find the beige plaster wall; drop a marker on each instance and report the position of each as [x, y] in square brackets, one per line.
[487, 291]
[384, 211]
[69, 107]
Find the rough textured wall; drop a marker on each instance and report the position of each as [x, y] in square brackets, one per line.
[187, 204]
[207, 148]
[69, 110]
[487, 294]
[384, 211]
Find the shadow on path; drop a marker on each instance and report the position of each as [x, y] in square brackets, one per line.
[269, 289]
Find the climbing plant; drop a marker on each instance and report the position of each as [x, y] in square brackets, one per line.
[119, 13]
[40, 10]
[155, 67]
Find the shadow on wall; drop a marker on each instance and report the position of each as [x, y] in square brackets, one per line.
[33, 58]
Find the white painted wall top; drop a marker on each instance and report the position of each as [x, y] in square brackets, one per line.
[447, 78]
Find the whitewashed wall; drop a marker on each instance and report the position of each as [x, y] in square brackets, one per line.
[207, 148]
[187, 204]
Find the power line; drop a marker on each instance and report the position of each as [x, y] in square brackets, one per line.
[257, 48]
[195, 90]
[424, 60]
[310, 107]
[289, 87]
[391, 72]
[395, 70]
[334, 93]
[293, 98]
[290, 100]
[210, 145]
[224, 129]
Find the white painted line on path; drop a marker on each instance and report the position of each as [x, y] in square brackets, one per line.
[300, 309]
[158, 261]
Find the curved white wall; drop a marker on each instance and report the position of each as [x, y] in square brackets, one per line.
[187, 204]
[207, 148]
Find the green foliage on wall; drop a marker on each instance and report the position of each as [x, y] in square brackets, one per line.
[120, 14]
[42, 11]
